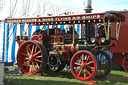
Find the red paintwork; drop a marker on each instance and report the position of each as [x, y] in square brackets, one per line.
[118, 58]
[113, 43]
[35, 37]
[67, 36]
[121, 46]
[20, 42]
[15, 38]
[89, 82]
[67, 48]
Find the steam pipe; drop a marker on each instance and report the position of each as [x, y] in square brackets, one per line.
[88, 6]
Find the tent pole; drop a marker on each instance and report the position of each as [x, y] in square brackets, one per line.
[48, 30]
[28, 31]
[5, 42]
[73, 40]
[81, 31]
[20, 31]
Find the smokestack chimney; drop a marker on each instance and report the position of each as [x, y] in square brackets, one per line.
[88, 6]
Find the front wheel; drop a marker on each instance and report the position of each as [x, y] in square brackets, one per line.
[84, 65]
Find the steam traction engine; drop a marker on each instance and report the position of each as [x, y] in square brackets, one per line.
[54, 47]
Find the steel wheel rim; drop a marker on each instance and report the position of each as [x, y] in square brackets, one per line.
[101, 62]
[88, 66]
[125, 64]
[29, 58]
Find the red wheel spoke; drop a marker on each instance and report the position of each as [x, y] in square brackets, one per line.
[89, 62]
[30, 69]
[29, 49]
[88, 72]
[91, 67]
[32, 49]
[35, 49]
[37, 65]
[103, 60]
[38, 60]
[38, 56]
[79, 59]
[34, 65]
[87, 59]
[82, 58]
[80, 71]
[77, 64]
[24, 54]
[26, 58]
[101, 57]
[28, 65]
[78, 68]
[25, 63]
[37, 53]
[84, 72]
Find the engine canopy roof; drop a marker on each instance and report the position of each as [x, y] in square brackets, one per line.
[69, 19]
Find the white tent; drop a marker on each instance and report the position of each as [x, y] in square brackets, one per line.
[18, 8]
[23, 8]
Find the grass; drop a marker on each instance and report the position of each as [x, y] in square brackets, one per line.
[66, 78]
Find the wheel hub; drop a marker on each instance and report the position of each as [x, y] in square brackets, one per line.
[83, 65]
[30, 57]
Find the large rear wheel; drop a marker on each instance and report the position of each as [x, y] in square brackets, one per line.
[104, 64]
[84, 65]
[32, 57]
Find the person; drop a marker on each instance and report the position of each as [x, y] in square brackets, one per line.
[101, 31]
[71, 30]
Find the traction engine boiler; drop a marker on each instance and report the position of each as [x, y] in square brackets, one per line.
[54, 48]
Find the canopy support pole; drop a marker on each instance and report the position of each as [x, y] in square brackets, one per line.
[6, 30]
[20, 30]
[73, 33]
[28, 31]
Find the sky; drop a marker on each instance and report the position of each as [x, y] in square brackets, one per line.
[97, 5]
